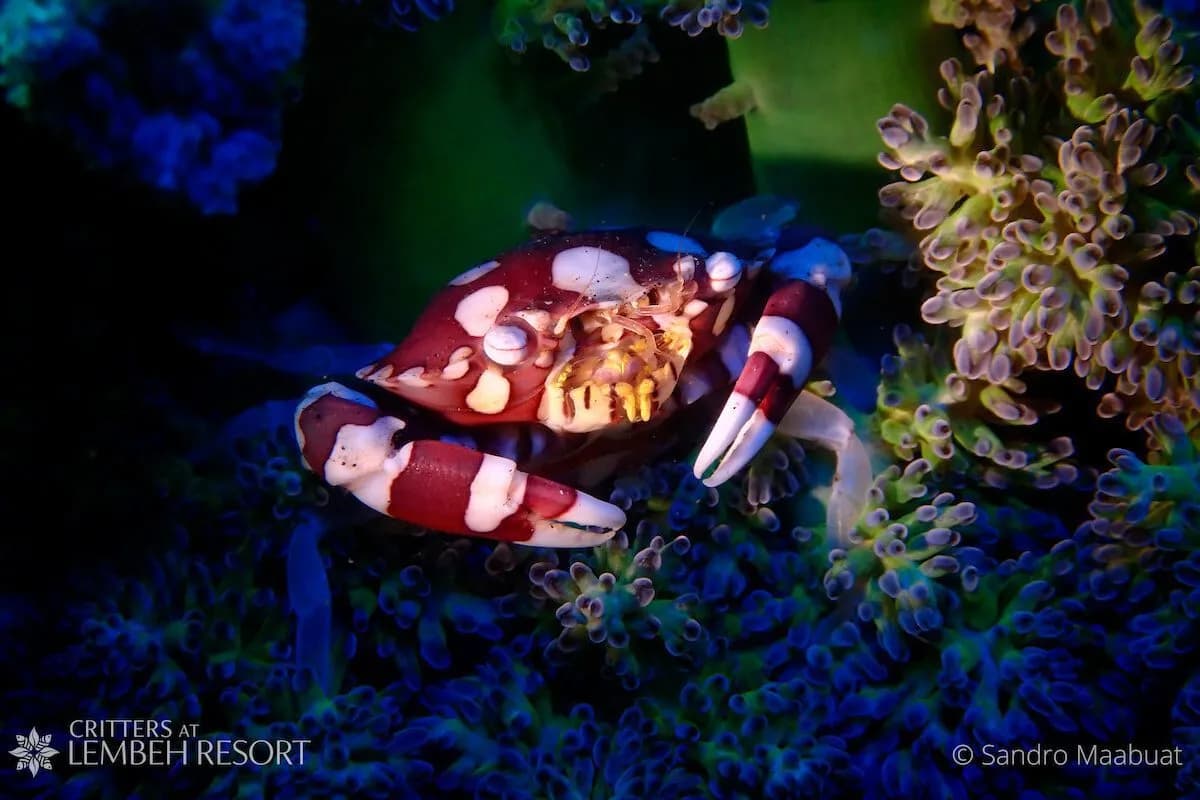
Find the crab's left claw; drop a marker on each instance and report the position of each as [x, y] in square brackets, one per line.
[795, 331]
[348, 441]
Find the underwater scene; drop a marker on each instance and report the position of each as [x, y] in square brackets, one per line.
[589, 399]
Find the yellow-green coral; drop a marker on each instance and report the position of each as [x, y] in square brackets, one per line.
[927, 410]
[1138, 503]
[1064, 240]
[996, 35]
[1102, 68]
[897, 553]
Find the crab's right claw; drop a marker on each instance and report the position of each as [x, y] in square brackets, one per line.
[794, 333]
[349, 442]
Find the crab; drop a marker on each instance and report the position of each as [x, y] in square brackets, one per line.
[556, 364]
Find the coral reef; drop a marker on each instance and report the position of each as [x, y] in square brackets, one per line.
[928, 410]
[724, 645]
[1058, 210]
[188, 97]
[996, 35]
[567, 28]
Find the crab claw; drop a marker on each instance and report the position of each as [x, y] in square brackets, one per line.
[793, 334]
[349, 442]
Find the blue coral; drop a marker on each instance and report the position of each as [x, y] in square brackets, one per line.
[192, 104]
[407, 15]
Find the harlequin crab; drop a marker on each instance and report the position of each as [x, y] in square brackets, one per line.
[558, 362]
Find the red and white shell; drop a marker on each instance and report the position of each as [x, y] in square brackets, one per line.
[502, 341]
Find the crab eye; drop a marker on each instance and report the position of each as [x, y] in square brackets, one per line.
[505, 344]
[724, 271]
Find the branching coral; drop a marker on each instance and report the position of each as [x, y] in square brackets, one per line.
[996, 36]
[899, 550]
[188, 97]
[1063, 239]
[421, 607]
[925, 409]
[1146, 525]
[566, 28]
[164, 646]
[620, 604]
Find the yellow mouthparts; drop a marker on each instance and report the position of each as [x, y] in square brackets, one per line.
[637, 403]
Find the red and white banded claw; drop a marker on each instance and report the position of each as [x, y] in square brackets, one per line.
[793, 334]
[348, 441]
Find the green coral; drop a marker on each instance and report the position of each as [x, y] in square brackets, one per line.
[1150, 508]
[1063, 240]
[927, 410]
[899, 552]
[996, 35]
[620, 604]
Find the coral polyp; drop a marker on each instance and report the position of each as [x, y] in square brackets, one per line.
[925, 409]
[567, 28]
[903, 545]
[998, 27]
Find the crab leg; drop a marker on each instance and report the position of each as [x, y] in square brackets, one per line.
[349, 442]
[817, 420]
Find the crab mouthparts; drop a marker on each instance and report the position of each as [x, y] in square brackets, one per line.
[616, 370]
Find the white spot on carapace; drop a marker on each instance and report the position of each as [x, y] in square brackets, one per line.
[786, 344]
[505, 344]
[595, 273]
[537, 319]
[496, 494]
[365, 461]
[369, 373]
[694, 308]
[474, 274]
[477, 312]
[723, 316]
[413, 376]
[675, 243]
[457, 365]
[724, 271]
[490, 395]
[455, 370]
[685, 268]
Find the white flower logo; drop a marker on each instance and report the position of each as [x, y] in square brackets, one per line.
[33, 752]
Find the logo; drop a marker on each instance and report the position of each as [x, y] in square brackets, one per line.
[33, 752]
